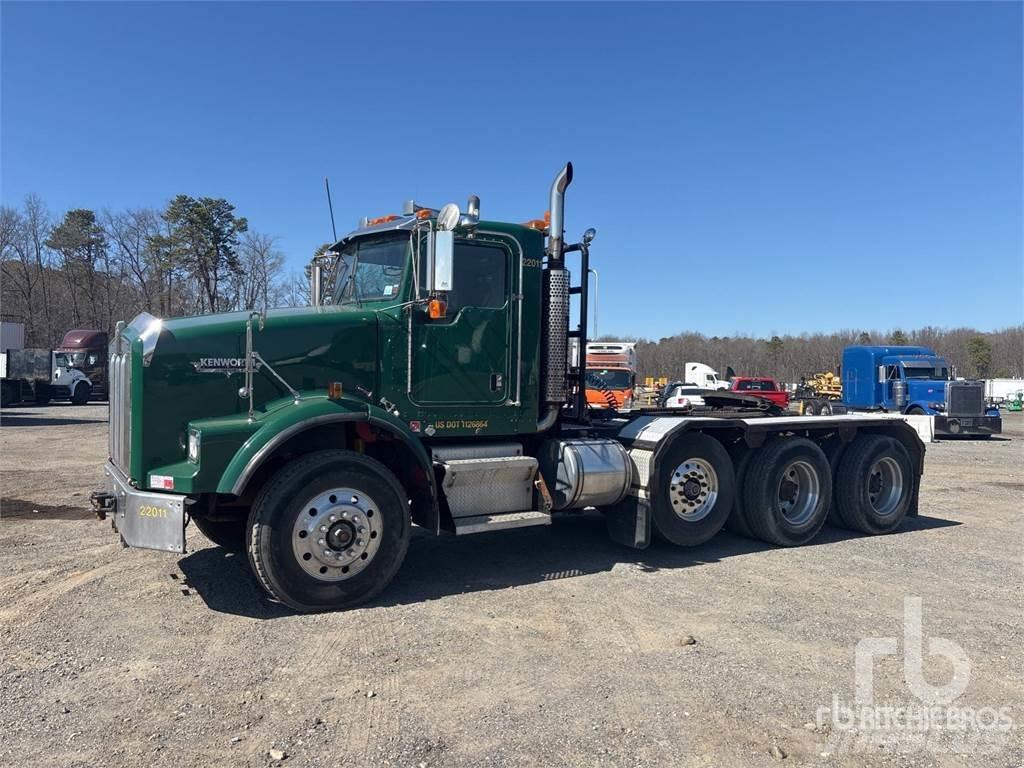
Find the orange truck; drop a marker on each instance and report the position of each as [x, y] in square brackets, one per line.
[611, 374]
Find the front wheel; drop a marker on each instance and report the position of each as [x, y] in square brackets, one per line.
[695, 490]
[80, 394]
[328, 531]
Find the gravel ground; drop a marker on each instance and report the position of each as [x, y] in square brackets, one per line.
[544, 647]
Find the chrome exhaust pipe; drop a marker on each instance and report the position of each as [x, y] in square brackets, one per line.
[556, 236]
[555, 332]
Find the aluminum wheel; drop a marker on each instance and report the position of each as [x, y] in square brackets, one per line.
[798, 493]
[337, 534]
[885, 486]
[694, 490]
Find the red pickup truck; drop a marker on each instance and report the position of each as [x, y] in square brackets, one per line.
[761, 386]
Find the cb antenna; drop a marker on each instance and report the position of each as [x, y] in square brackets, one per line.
[327, 186]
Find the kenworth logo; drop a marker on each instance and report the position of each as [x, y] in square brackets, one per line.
[222, 364]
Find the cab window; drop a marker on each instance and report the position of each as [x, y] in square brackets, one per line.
[479, 277]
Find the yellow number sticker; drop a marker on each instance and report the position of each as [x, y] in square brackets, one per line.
[152, 512]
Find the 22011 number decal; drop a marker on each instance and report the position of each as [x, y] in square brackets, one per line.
[152, 512]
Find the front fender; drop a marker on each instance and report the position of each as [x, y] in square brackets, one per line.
[281, 424]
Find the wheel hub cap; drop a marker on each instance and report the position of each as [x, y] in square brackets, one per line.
[885, 486]
[337, 534]
[799, 491]
[693, 489]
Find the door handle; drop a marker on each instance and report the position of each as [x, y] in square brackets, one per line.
[497, 382]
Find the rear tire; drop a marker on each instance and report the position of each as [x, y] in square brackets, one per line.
[229, 534]
[825, 409]
[787, 492]
[80, 395]
[328, 531]
[695, 490]
[737, 521]
[874, 484]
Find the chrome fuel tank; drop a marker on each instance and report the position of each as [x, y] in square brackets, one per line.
[585, 473]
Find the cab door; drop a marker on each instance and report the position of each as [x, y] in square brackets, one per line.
[464, 357]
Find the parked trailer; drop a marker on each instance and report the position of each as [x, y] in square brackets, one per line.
[430, 384]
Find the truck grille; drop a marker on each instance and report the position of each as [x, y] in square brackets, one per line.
[119, 436]
[965, 398]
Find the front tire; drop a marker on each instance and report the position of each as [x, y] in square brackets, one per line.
[80, 394]
[874, 484]
[787, 492]
[328, 531]
[696, 487]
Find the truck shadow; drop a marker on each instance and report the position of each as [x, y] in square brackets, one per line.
[18, 509]
[437, 567]
[12, 418]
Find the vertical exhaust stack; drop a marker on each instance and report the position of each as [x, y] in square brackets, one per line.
[556, 306]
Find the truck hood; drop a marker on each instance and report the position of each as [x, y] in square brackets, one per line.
[926, 390]
[193, 367]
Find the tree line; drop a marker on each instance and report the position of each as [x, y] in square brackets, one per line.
[972, 353]
[89, 269]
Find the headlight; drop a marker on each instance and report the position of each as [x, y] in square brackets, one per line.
[193, 446]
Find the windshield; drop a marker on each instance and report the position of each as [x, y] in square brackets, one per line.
[69, 359]
[610, 378]
[371, 270]
[926, 372]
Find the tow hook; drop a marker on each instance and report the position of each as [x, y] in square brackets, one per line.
[102, 502]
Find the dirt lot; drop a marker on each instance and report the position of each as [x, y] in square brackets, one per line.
[536, 647]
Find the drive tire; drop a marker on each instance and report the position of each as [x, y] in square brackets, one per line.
[275, 517]
[787, 492]
[229, 534]
[874, 484]
[692, 521]
[80, 394]
[825, 409]
[737, 521]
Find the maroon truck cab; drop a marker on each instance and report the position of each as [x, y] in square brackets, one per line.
[86, 350]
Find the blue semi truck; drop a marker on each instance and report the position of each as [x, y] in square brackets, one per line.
[916, 380]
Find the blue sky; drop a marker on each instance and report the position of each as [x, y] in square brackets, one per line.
[761, 168]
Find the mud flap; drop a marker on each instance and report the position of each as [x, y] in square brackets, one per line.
[629, 521]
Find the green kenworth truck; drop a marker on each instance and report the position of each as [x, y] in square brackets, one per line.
[430, 383]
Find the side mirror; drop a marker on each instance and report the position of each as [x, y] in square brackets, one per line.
[442, 260]
[881, 374]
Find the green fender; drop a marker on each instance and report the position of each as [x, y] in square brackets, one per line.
[280, 424]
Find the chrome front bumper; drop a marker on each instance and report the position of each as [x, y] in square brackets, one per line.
[144, 519]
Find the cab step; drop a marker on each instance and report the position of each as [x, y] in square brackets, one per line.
[483, 523]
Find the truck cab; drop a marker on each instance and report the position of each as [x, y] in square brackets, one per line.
[611, 374]
[80, 366]
[915, 380]
[703, 376]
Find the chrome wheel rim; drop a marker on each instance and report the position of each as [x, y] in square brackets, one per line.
[885, 486]
[337, 534]
[693, 490]
[798, 492]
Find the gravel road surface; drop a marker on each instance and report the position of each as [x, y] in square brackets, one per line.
[539, 647]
